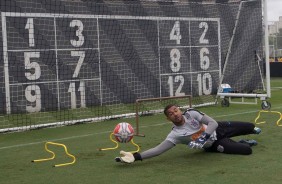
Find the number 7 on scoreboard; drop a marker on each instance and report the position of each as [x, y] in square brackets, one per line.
[81, 55]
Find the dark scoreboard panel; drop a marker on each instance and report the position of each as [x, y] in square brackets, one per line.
[189, 56]
[71, 61]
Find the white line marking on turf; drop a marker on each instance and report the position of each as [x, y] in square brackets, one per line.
[86, 135]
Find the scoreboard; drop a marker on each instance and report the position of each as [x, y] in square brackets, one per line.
[189, 56]
[69, 61]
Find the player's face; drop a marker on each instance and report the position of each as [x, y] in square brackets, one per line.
[174, 114]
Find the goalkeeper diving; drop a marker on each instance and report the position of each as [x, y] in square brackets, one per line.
[199, 131]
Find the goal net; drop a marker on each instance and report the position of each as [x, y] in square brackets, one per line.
[75, 61]
[244, 67]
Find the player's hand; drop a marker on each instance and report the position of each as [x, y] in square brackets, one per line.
[126, 157]
[199, 142]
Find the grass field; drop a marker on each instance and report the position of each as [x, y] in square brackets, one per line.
[179, 165]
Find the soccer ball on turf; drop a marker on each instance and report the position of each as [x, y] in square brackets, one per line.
[123, 132]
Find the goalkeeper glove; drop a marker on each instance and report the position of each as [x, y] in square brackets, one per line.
[200, 141]
[128, 157]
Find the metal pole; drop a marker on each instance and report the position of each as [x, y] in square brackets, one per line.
[266, 43]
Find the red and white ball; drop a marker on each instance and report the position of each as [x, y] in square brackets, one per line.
[123, 132]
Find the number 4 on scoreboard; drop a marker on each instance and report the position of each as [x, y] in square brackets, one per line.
[175, 32]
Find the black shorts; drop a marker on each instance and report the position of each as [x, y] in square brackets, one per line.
[228, 129]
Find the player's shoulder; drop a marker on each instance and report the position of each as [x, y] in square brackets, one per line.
[192, 111]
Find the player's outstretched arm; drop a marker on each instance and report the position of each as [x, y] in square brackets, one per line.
[127, 157]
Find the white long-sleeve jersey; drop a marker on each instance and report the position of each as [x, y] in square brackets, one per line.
[195, 124]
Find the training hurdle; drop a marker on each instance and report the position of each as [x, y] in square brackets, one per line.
[117, 145]
[53, 154]
[274, 112]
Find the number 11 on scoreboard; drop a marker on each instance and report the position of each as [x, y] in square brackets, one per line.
[72, 91]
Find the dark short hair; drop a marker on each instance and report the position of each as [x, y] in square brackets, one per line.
[168, 107]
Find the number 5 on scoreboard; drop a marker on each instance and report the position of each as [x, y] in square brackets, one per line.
[81, 55]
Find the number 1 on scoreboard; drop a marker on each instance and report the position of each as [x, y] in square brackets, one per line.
[30, 27]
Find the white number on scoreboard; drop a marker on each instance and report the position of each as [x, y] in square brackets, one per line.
[30, 27]
[175, 32]
[78, 33]
[202, 38]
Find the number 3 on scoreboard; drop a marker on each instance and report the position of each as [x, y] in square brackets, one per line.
[78, 33]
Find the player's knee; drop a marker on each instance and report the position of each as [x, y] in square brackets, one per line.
[249, 125]
[242, 150]
[252, 125]
[247, 151]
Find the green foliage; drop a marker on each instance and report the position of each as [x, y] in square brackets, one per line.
[179, 165]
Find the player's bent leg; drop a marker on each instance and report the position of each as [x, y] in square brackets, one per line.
[250, 142]
[236, 128]
[230, 146]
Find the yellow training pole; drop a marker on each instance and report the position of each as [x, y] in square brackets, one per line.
[111, 138]
[53, 154]
[117, 145]
[138, 148]
[275, 112]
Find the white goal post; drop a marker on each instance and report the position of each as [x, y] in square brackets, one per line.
[239, 84]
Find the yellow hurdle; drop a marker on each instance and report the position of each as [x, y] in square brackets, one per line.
[117, 145]
[275, 112]
[53, 155]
